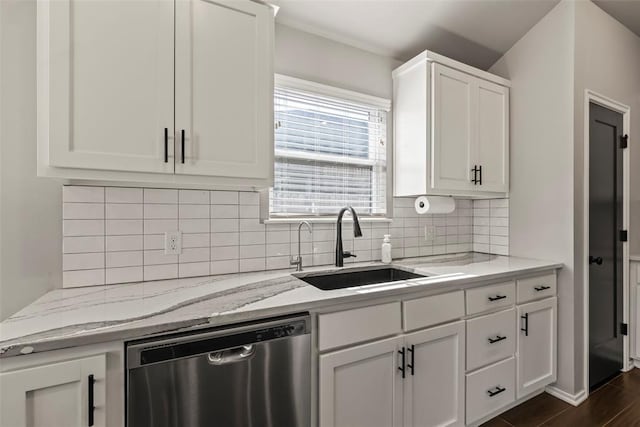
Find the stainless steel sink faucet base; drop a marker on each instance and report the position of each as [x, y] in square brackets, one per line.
[357, 232]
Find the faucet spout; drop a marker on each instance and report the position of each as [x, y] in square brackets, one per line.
[357, 232]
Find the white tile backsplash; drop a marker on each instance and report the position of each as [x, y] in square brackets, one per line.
[116, 234]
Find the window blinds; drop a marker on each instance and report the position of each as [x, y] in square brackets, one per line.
[329, 153]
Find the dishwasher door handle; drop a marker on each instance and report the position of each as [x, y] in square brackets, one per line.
[234, 355]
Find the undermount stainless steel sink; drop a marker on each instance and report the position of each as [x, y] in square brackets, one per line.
[357, 277]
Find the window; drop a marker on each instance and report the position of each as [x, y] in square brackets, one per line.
[330, 151]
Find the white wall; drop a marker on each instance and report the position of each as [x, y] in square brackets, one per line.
[541, 69]
[30, 208]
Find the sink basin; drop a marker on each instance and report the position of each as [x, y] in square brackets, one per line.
[351, 278]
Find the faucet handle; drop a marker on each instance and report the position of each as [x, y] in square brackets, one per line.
[347, 254]
[294, 260]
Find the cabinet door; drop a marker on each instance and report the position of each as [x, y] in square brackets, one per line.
[491, 145]
[434, 387]
[105, 91]
[54, 395]
[362, 386]
[224, 88]
[453, 128]
[537, 345]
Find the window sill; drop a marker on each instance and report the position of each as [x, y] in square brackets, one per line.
[324, 220]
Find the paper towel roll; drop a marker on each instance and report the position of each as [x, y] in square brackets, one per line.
[435, 205]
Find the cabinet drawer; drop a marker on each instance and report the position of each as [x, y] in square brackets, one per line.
[490, 389]
[358, 325]
[491, 338]
[422, 312]
[536, 287]
[490, 297]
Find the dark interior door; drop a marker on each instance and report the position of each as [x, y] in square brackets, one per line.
[605, 246]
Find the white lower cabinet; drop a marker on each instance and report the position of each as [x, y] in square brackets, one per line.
[490, 389]
[70, 393]
[537, 345]
[366, 386]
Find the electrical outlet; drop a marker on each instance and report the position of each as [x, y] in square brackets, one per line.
[172, 243]
[429, 233]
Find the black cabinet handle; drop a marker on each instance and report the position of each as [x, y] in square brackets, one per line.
[411, 365]
[401, 368]
[498, 338]
[480, 173]
[542, 288]
[497, 298]
[526, 324]
[496, 391]
[182, 144]
[595, 260]
[166, 145]
[475, 175]
[90, 406]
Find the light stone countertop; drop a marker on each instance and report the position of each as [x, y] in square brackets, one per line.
[79, 316]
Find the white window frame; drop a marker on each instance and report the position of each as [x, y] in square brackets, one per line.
[347, 95]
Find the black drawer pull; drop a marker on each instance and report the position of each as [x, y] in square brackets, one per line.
[498, 338]
[182, 145]
[166, 145]
[542, 288]
[91, 407]
[401, 368]
[497, 297]
[496, 391]
[411, 365]
[526, 324]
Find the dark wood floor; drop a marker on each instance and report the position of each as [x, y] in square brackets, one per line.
[615, 404]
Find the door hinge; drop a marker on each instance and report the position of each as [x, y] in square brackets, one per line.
[624, 236]
[624, 141]
[624, 329]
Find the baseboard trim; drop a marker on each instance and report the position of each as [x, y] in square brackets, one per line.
[636, 362]
[572, 399]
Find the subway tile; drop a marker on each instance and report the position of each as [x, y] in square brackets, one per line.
[160, 211]
[480, 212]
[82, 194]
[225, 239]
[500, 212]
[159, 226]
[411, 242]
[480, 229]
[154, 241]
[193, 225]
[278, 263]
[124, 275]
[224, 225]
[499, 222]
[484, 204]
[86, 261]
[160, 272]
[193, 211]
[124, 243]
[481, 238]
[499, 240]
[284, 227]
[278, 237]
[194, 197]
[499, 231]
[83, 211]
[252, 264]
[411, 251]
[439, 249]
[278, 249]
[71, 279]
[196, 240]
[397, 252]
[158, 257]
[224, 253]
[123, 210]
[404, 202]
[499, 250]
[193, 269]
[123, 195]
[224, 197]
[249, 198]
[249, 211]
[252, 238]
[425, 251]
[194, 255]
[224, 267]
[252, 251]
[162, 196]
[323, 247]
[482, 221]
[73, 245]
[481, 247]
[411, 222]
[306, 248]
[251, 225]
[323, 258]
[119, 227]
[499, 203]
[124, 259]
[224, 211]
[82, 227]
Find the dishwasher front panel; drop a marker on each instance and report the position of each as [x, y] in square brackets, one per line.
[256, 384]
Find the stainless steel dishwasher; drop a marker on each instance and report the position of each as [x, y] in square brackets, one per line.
[249, 375]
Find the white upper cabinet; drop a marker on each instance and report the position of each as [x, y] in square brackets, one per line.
[106, 92]
[451, 129]
[125, 85]
[224, 88]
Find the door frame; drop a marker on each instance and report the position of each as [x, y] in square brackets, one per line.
[611, 104]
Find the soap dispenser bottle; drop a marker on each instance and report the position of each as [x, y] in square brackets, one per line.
[386, 249]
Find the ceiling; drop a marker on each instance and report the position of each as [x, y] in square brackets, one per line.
[477, 32]
[625, 11]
